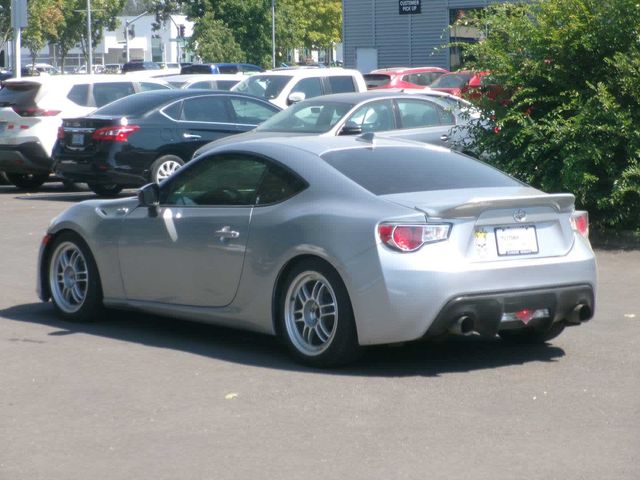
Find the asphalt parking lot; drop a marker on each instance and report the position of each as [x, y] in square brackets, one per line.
[144, 397]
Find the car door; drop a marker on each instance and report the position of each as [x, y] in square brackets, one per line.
[423, 121]
[190, 250]
[203, 119]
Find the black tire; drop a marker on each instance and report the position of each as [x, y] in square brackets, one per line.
[75, 289]
[332, 338]
[532, 336]
[105, 190]
[28, 181]
[165, 166]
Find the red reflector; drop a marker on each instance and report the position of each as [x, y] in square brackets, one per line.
[118, 133]
[60, 133]
[524, 315]
[10, 126]
[24, 127]
[46, 239]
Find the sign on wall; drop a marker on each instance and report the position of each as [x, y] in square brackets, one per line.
[409, 6]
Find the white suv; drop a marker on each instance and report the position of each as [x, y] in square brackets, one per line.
[283, 87]
[32, 109]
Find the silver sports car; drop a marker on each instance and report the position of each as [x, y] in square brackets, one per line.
[333, 244]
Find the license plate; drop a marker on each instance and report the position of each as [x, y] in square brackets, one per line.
[77, 139]
[517, 240]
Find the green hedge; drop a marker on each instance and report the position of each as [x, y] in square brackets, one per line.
[569, 119]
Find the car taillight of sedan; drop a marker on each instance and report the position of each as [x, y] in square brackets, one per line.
[118, 133]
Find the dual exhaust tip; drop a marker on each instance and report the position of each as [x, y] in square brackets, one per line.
[466, 324]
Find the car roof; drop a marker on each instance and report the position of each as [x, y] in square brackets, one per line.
[402, 70]
[193, 77]
[357, 97]
[83, 78]
[310, 72]
[316, 145]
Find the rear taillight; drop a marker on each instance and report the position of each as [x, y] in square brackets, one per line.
[60, 133]
[34, 112]
[409, 238]
[116, 133]
[580, 222]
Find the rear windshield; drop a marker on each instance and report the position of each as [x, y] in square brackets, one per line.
[390, 169]
[263, 86]
[14, 93]
[134, 105]
[307, 117]
[375, 80]
[453, 80]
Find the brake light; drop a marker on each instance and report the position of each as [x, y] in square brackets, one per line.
[409, 238]
[34, 112]
[116, 133]
[580, 222]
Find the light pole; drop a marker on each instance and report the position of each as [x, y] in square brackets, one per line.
[273, 33]
[89, 41]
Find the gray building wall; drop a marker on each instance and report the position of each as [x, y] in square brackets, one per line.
[401, 40]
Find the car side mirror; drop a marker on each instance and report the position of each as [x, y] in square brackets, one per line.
[149, 195]
[296, 97]
[351, 128]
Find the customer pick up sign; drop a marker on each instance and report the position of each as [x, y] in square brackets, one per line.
[409, 6]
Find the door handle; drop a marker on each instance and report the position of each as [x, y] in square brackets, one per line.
[226, 232]
[444, 138]
[191, 136]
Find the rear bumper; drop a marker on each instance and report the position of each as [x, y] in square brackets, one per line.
[97, 173]
[28, 157]
[486, 310]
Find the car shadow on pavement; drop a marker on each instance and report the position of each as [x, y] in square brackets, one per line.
[459, 354]
[58, 193]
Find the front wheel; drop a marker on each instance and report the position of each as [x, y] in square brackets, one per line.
[105, 190]
[27, 181]
[316, 318]
[73, 279]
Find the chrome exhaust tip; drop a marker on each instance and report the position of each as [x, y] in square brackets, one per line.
[462, 326]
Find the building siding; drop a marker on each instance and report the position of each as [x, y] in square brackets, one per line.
[401, 40]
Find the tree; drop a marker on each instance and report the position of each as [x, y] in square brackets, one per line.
[323, 26]
[5, 22]
[570, 68]
[214, 41]
[45, 18]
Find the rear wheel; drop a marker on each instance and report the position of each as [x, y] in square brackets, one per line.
[73, 279]
[316, 318]
[529, 335]
[105, 190]
[164, 167]
[27, 180]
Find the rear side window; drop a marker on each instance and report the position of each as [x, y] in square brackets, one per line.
[104, 93]
[311, 87]
[250, 112]
[79, 94]
[225, 84]
[136, 105]
[416, 114]
[389, 170]
[341, 84]
[277, 185]
[18, 93]
[205, 109]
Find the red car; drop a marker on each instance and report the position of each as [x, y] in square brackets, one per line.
[467, 84]
[401, 77]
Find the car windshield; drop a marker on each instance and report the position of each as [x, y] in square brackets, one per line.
[263, 86]
[307, 117]
[134, 105]
[453, 80]
[387, 170]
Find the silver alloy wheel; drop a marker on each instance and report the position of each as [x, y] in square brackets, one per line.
[165, 169]
[68, 277]
[311, 313]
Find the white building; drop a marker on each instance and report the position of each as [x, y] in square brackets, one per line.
[163, 45]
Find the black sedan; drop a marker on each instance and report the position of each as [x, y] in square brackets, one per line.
[147, 136]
